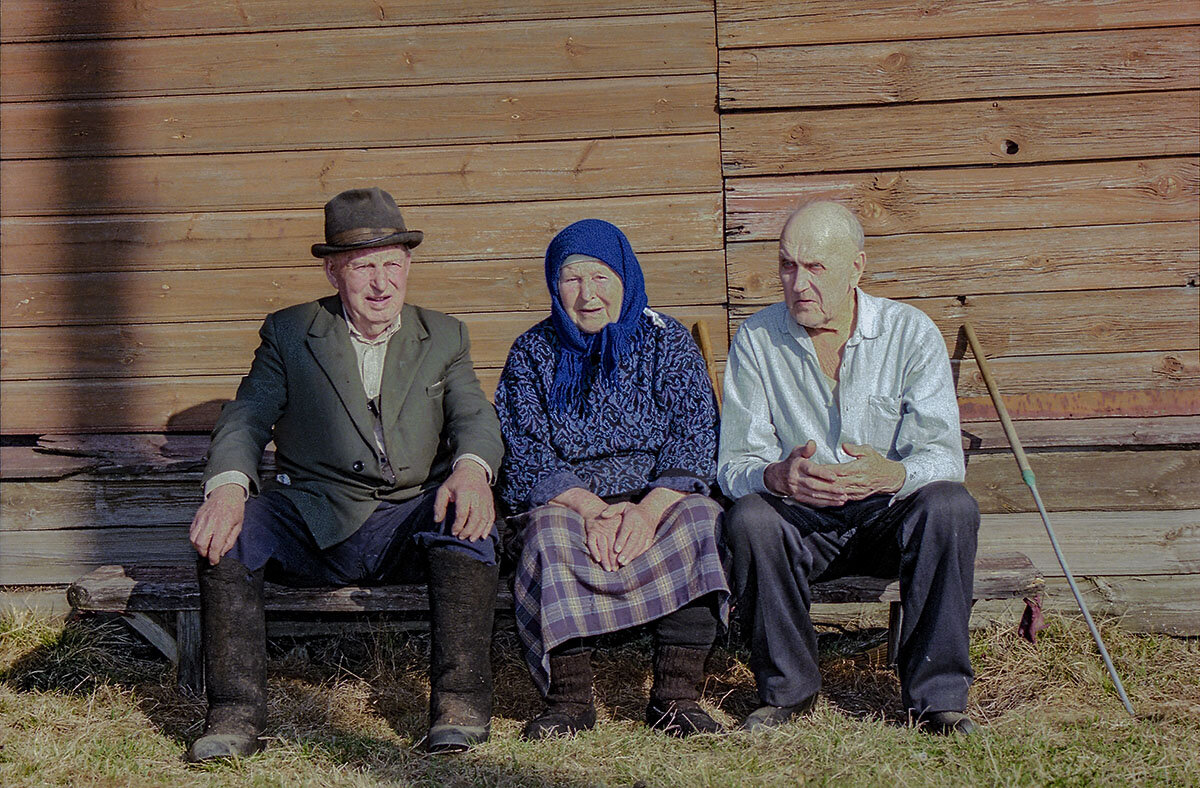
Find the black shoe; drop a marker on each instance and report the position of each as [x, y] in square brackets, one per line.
[943, 723]
[569, 706]
[765, 717]
[462, 600]
[234, 635]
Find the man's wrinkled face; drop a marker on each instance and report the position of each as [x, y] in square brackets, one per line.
[819, 273]
[372, 284]
[591, 294]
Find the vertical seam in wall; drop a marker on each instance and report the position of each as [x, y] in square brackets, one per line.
[721, 170]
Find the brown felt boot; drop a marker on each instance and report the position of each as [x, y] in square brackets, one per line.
[235, 646]
[462, 601]
[569, 707]
[678, 679]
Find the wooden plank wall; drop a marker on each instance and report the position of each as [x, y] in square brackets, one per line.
[165, 166]
[1031, 167]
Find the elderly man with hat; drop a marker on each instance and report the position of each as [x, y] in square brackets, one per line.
[385, 447]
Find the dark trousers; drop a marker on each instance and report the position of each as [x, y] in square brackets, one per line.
[927, 540]
[390, 546]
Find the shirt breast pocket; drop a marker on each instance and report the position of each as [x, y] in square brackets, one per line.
[436, 390]
[882, 421]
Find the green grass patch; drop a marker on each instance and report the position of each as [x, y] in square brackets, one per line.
[88, 703]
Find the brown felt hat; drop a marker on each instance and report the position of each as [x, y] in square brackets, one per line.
[363, 219]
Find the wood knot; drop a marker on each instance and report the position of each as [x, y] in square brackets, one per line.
[894, 61]
[1170, 366]
[1166, 185]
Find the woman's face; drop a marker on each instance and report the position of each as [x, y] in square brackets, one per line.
[591, 293]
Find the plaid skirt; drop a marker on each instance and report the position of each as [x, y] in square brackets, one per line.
[561, 593]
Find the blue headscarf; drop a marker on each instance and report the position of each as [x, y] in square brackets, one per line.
[581, 353]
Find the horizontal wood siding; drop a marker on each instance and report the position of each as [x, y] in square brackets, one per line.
[1033, 167]
[1029, 167]
[154, 158]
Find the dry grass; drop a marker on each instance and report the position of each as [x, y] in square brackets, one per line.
[88, 704]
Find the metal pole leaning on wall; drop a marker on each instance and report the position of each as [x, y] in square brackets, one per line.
[1010, 432]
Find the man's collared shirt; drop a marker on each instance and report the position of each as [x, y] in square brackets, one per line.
[371, 354]
[895, 393]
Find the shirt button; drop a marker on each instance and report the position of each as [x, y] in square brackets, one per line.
[358, 466]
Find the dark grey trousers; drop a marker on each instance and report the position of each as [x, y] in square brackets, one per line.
[927, 540]
[390, 547]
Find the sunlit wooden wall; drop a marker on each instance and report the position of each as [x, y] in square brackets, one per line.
[165, 165]
[1030, 167]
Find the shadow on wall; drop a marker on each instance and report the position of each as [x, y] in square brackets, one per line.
[88, 190]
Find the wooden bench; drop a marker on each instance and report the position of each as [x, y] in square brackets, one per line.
[148, 597]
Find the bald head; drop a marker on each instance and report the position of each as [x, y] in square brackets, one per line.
[820, 262]
[824, 224]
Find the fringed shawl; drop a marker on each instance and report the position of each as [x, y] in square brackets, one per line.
[582, 355]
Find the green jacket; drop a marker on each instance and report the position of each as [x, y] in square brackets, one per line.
[304, 392]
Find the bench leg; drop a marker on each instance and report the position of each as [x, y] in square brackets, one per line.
[154, 632]
[191, 652]
[895, 619]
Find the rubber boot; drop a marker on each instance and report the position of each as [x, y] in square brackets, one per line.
[235, 646]
[462, 601]
[569, 707]
[678, 679]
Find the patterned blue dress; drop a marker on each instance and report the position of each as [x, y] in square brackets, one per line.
[657, 428]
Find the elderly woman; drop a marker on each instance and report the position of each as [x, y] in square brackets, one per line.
[610, 424]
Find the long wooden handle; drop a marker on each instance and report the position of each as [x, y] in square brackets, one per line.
[700, 331]
[1010, 431]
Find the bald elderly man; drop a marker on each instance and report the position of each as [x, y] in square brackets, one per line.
[840, 444]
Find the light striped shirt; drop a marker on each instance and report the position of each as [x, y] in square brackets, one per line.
[894, 393]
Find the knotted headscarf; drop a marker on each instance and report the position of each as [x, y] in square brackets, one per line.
[583, 355]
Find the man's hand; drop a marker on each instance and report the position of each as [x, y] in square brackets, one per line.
[799, 478]
[218, 522]
[635, 533]
[869, 473]
[474, 508]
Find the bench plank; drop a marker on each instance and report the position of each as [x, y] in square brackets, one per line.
[158, 589]
[146, 589]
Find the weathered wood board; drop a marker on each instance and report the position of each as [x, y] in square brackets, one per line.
[1068, 63]
[393, 57]
[455, 174]
[971, 198]
[192, 403]
[1159, 319]
[672, 279]
[185, 349]
[1098, 321]
[1152, 480]
[1085, 404]
[1167, 372]
[1074, 433]
[1096, 543]
[359, 118]
[743, 23]
[235, 239]
[29, 20]
[996, 261]
[1000, 131]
